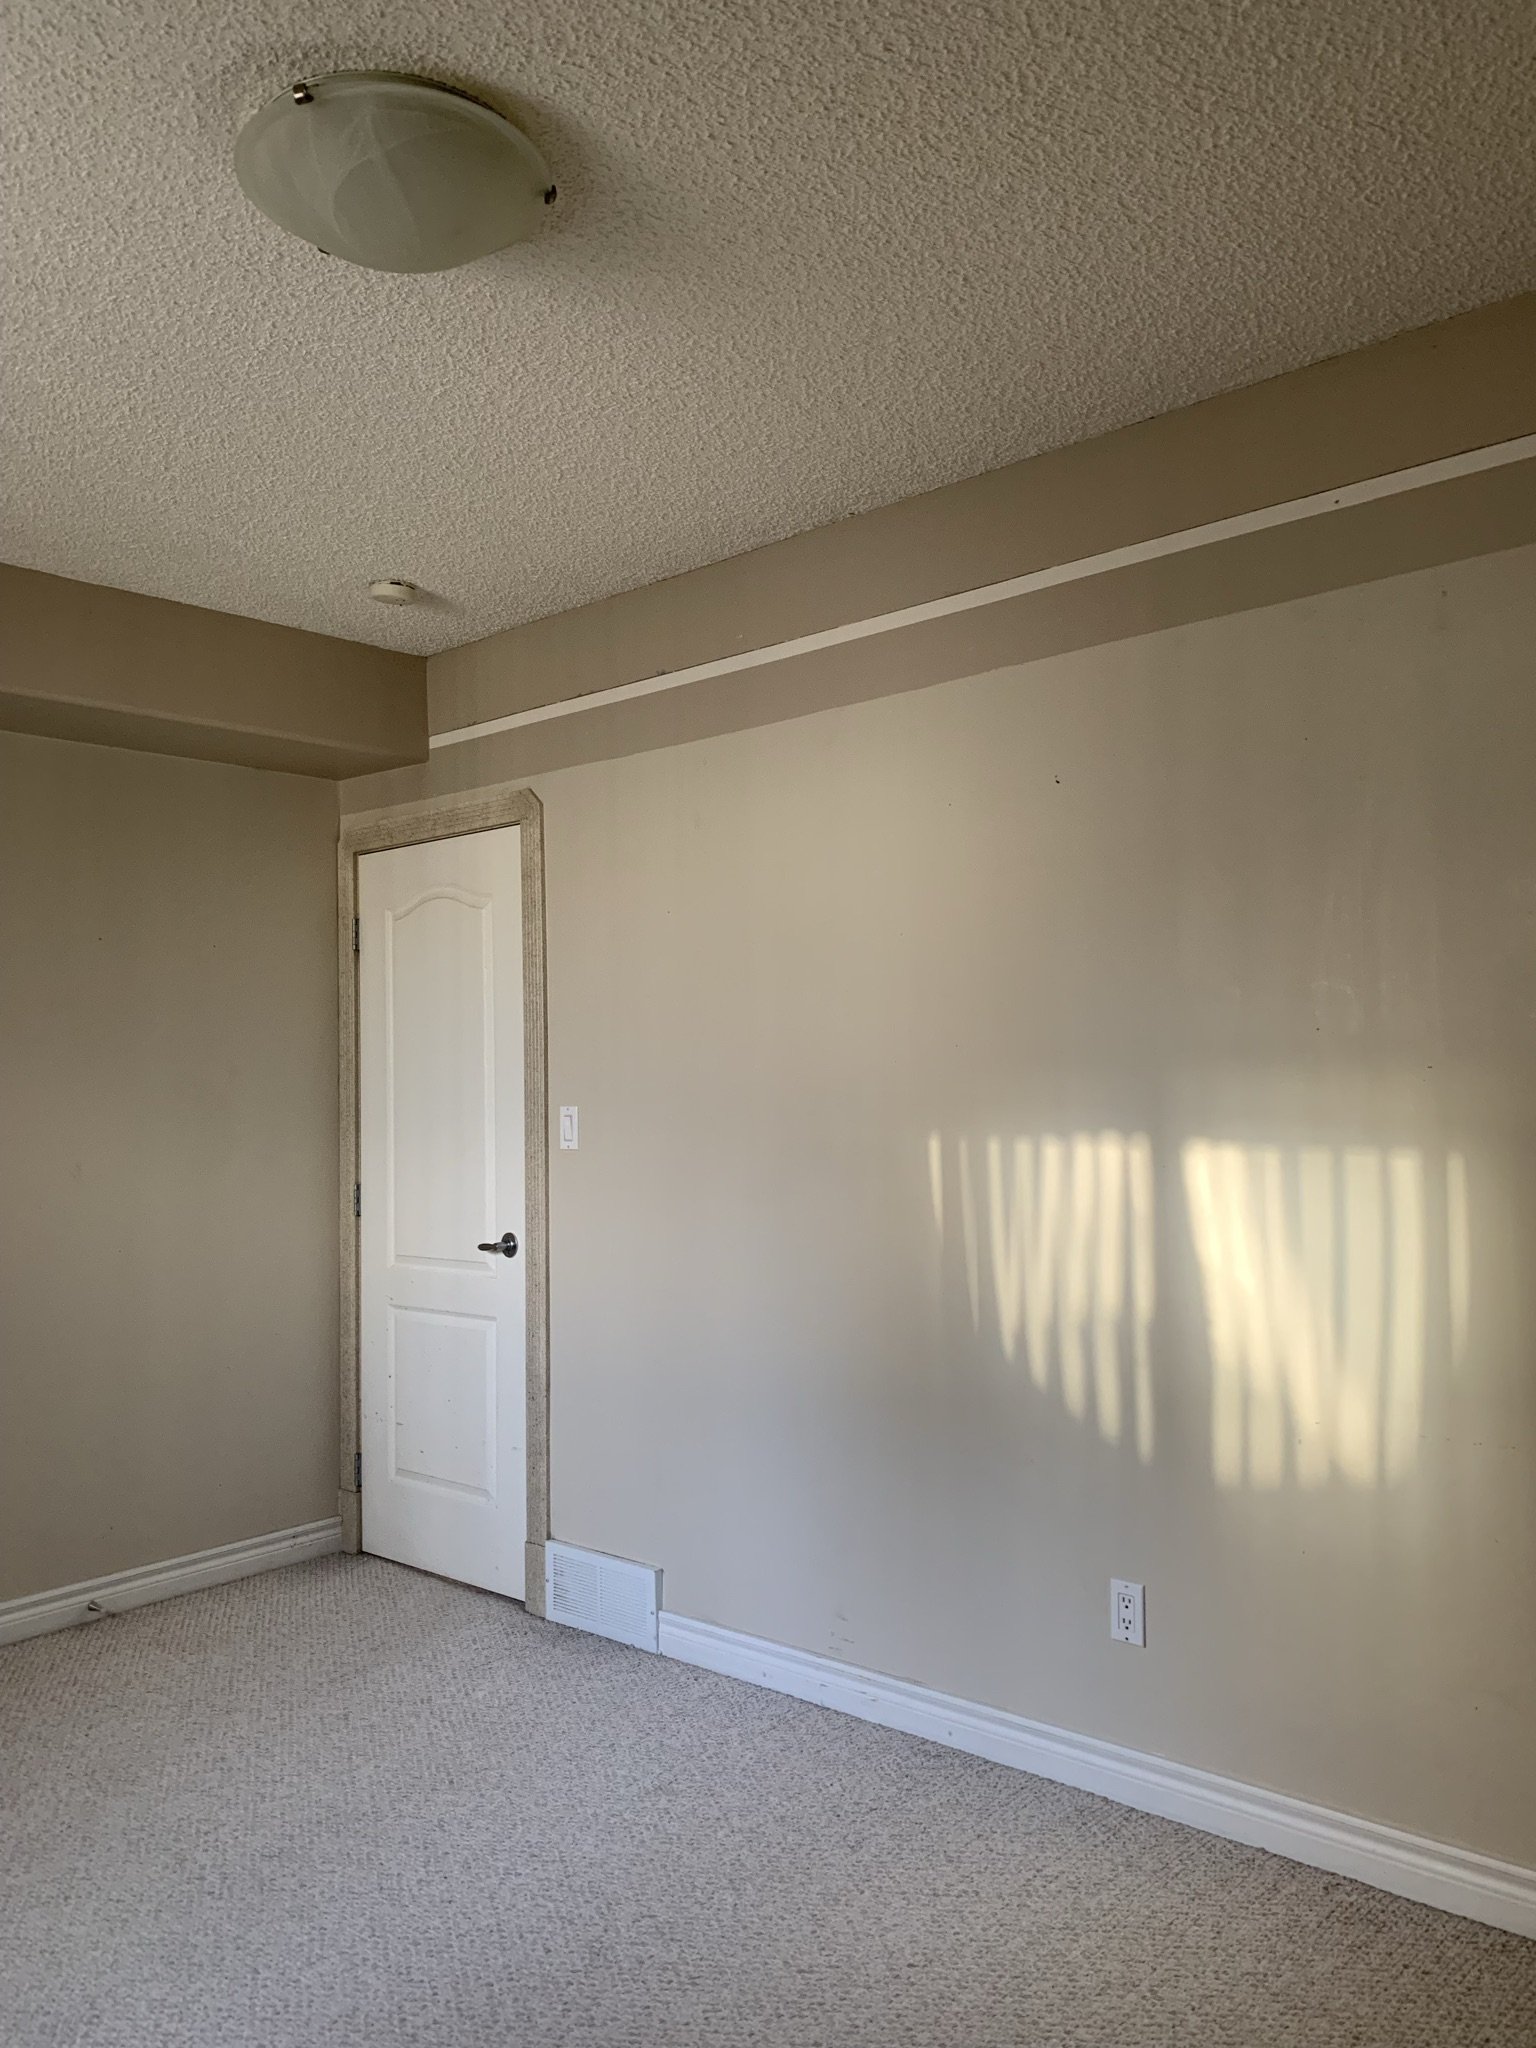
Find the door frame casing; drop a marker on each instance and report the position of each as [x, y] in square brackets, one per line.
[412, 824]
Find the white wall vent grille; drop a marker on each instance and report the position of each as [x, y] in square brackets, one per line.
[609, 1596]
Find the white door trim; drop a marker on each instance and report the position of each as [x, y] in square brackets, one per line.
[1413, 1866]
[409, 825]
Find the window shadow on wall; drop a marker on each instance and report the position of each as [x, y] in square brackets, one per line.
[1056, 1234]
[1316, 1278]
[1322, 1272]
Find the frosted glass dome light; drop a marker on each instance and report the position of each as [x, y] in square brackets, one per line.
[392, 172]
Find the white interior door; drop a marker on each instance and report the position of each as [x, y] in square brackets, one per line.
[440, 1127]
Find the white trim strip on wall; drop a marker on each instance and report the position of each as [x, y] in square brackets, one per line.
[1292, 510]
[1434, 1873]
[39, 1613]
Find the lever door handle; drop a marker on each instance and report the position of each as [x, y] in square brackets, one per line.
[506, 1245]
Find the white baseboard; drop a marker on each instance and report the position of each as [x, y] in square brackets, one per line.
[1436, 1874]
[38, 1613]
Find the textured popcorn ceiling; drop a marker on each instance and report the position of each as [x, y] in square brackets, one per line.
[809, 256]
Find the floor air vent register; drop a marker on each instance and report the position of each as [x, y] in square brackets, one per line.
[608, 1596]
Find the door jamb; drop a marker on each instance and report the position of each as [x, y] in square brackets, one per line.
[450, 817]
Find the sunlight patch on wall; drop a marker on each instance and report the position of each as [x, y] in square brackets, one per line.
[1068, 1234]
[1314, 1271]
[1459, 1255]
[969, 1238]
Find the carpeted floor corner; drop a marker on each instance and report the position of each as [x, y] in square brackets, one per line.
[348, 1806]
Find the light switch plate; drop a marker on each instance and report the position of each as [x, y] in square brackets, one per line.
[567, 1127]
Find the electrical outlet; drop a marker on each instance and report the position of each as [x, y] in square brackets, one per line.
[1128, 1612]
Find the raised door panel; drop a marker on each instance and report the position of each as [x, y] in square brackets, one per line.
[442, 1400]
[440, 1078]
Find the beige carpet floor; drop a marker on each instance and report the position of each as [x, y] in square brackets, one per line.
[348, 1804]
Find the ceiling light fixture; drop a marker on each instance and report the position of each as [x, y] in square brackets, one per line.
[392, 172]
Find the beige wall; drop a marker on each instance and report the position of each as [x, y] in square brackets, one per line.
[1470, 515]
[81, 661]
[168, 1132]
[1237, 924]
[1423, 396]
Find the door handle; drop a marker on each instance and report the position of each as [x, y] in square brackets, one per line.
[507, 1246]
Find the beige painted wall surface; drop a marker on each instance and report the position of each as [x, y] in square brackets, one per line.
[1432, 392]
[1082, 1121]
[82, 661]
[168, 1131]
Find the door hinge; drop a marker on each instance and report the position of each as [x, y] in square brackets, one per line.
[357, 1198]
[357, 936]
[357, 1471]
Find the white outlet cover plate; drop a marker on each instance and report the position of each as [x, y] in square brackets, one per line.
[1128, 1612]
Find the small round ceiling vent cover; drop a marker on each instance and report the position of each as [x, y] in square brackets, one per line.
[392, 172]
